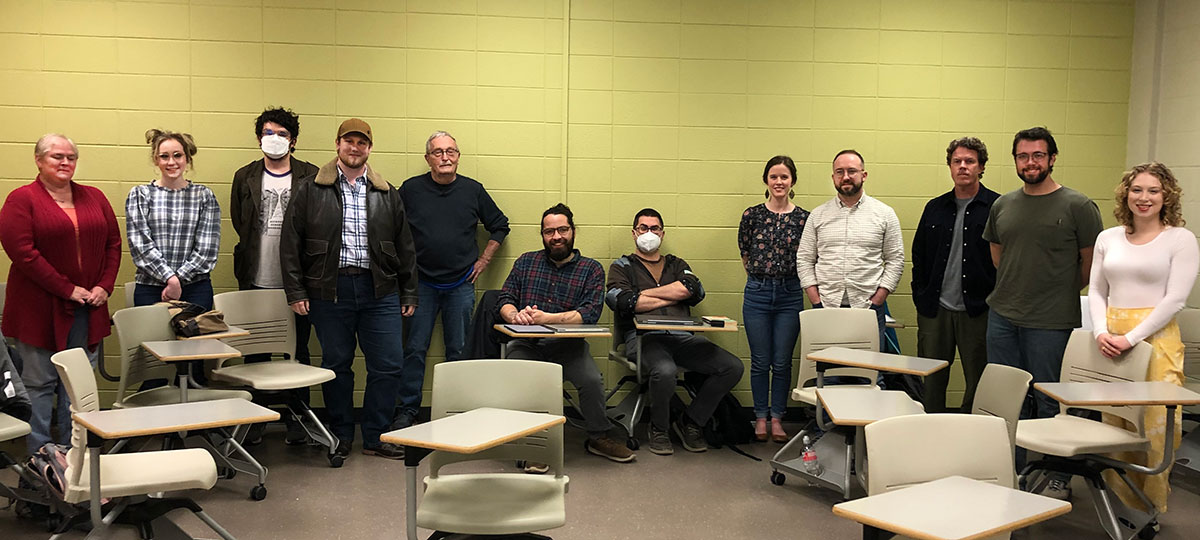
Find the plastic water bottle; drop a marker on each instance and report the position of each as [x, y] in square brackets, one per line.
[811, 465]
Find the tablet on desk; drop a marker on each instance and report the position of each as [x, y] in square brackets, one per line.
[581, 328]
[528, 329]
[666, 319]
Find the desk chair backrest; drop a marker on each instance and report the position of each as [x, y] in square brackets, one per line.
[1085, 314]
[524, 385]
[3, 291]
[1189, 332]
[266, 314]
[135, 325]
[129, 286]
[1082, 362]
[80, 382]
[914, 449]
[852, 328]
[1001, 393]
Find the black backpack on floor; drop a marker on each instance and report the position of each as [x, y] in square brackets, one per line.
[730, 425]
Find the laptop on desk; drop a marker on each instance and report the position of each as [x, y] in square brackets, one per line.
[666, 320]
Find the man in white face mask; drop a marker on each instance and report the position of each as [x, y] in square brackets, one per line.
[650, 282]
[260, 195]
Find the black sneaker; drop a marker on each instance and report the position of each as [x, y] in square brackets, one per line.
[691, 435]
[404, 419]
[295, 431]
[384, 450]
[254, 436]
[660, 441]
[343, 448]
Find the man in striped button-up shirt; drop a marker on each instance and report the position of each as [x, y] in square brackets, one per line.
[851, 253]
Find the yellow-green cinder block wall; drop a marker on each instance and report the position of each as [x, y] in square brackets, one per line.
[608, 105]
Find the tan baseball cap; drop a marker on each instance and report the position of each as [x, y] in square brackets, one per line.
[355, 125]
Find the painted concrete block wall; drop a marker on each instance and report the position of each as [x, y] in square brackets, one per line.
[672, 104]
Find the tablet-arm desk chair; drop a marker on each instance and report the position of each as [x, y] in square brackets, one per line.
[134, 326]
[1188, 454]
[853, 328]
[1073, 445]
[1001, 393]
[126, 478]
[137, 325]
[497, 503]
[266, 314]
[914, 449]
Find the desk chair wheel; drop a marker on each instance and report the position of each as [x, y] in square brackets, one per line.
[258, 492]
[1149, 531]
[632, 443]
[778, 478]
[336, 461]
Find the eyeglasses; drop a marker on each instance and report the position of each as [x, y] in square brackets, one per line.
[167, 157]
[266, 132]
[562, 231]
[1037, 156]
[847, 172]
[652, 228]
[449, 152]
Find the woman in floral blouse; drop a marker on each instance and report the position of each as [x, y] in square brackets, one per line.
[768, 237]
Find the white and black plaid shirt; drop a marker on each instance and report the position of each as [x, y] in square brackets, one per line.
[172, 232]
[354, 250]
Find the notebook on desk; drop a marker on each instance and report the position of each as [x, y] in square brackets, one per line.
[666, 319]
[581, 328]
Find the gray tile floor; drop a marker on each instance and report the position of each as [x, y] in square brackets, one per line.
[718, 494]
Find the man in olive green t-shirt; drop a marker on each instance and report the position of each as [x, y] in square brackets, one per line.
[1041, 241]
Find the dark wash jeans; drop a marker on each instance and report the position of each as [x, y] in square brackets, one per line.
[771, 310]
[359, 319]
[455, 306]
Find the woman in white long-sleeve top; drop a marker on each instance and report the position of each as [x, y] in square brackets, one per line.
[1142, 272]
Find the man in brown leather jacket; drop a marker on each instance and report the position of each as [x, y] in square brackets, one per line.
[349, 264]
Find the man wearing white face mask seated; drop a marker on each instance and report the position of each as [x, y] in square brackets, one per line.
[257, 202]
[650, 282]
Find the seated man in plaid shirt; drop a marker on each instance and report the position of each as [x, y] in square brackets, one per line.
[557, 285]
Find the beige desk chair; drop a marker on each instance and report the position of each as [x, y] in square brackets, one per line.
[852, 328]
[1188, 454]
[1001, 393]
[1072, 445]
[497, 503]
[136, 325]
[152, 323]
[128, 288]
[914, 449]
[266, 314]
[131, 475]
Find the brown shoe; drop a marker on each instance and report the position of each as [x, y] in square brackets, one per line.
[533, 467]
[760, 429]
[607, 447]
[777, 432]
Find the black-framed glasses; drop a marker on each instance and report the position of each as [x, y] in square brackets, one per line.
[267, 132]
[645, 229]
[449, 152]
[562, 231]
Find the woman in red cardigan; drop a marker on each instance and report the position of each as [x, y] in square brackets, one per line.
[65, 249]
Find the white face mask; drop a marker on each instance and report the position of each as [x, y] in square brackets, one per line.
[274, 146]
[647, 242]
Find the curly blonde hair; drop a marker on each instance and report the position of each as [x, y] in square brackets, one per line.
[155, 137]
[1172, 208]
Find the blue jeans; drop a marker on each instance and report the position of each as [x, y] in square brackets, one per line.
[42, 382]
[455, 306]
[199, 293]
[771, 312]
[1036, 350]
[357, 318]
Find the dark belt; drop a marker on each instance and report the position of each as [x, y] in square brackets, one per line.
[352, 270]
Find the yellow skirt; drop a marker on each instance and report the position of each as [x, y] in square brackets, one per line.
[1166, 364]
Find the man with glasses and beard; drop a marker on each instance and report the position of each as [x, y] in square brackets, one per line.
[1041, 242]
[851, 253]
[557, 285]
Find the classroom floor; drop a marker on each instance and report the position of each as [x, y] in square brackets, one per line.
[717, 494]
